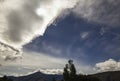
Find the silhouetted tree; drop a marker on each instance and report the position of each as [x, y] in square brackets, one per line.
[69, 74]
[66, 73]
[72, 68]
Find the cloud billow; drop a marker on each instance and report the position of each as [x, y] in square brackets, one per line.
[22, 21]
[108, 65]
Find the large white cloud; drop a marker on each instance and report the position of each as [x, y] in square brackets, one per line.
[22, 21]
[108, 65]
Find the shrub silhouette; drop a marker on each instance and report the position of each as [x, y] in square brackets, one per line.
[5, 78]
[87, 78]
[54, 79]
[83, 78]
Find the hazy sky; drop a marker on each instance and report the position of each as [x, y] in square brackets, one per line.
[46, 33]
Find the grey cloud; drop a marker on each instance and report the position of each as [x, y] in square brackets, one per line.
[20, 25]
[101, 11]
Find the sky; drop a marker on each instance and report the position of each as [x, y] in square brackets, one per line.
[45, 34]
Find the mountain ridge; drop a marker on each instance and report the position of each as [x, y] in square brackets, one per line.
[39, 76]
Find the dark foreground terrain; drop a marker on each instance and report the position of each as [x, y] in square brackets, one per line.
[38, 76]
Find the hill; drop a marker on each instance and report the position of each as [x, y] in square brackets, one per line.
[38, 76]
[108, 76]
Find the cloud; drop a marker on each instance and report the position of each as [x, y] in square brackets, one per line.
[22, 21]
[84, 35]
[33, 59]
[108, 65]
[15, 71]
[52, 71]
[8, 53]
[100, 11]
[30, 62]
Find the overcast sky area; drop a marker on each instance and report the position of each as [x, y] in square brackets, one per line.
[44, 34]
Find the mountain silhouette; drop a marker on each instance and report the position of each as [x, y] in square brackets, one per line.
[38, 76]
